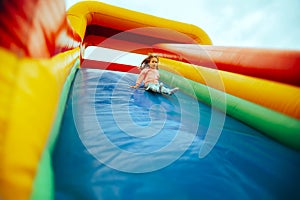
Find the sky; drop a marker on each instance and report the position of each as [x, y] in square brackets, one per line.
[240, 23]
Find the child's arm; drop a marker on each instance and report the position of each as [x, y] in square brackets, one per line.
[140, 79]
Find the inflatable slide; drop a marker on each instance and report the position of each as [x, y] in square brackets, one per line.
[72, 128]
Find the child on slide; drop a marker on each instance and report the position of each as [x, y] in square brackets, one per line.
[150, 76]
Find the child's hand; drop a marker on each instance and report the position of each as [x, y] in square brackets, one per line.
[133, 86]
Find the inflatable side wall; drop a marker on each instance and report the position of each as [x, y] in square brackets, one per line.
[38, 54]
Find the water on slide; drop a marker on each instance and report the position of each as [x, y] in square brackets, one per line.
[119, 143]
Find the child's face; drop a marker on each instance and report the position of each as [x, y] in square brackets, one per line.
[153, 63]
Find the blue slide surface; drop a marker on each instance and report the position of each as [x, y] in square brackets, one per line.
[134, 144]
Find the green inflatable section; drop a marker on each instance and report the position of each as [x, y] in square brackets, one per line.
[44, 181]
[278, 126]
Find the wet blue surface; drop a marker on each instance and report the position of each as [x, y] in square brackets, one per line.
[119, 143]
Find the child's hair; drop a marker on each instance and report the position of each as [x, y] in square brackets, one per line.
[145, 63]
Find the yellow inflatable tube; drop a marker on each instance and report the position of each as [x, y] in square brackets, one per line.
[83, 14]
[277, 96]
[30, 90]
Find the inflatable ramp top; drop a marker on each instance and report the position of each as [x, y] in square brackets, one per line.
[44, 111]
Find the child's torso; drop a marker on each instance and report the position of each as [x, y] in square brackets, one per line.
[151, 76]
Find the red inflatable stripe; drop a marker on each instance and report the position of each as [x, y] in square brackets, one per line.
[273, 64]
